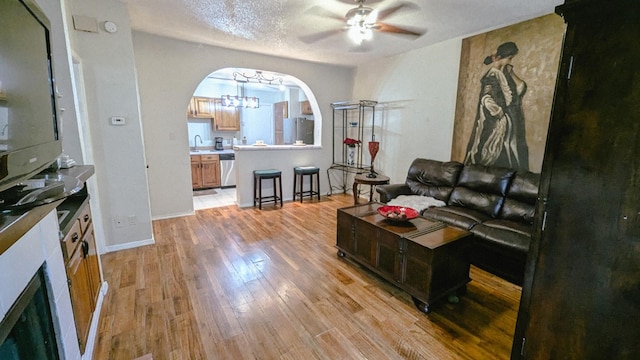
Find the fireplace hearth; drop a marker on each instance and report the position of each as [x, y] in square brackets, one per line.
[39, 250]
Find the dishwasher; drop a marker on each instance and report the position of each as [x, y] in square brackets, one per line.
[227, 170]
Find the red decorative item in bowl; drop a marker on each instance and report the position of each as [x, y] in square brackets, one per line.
[397, 213]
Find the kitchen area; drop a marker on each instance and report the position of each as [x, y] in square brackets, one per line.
[212, 157]
[213, 175]
[281, 115]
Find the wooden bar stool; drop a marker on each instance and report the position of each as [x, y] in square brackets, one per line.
[301, 171]
[258, 176]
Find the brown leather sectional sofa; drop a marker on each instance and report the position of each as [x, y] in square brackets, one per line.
[496, 204]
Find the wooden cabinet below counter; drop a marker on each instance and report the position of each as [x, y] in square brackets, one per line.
[205, 171]
[82, 264]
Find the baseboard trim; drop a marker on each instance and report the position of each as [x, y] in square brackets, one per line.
[171, 216]
[130, 245]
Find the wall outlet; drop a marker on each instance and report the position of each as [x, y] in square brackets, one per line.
[132, 219]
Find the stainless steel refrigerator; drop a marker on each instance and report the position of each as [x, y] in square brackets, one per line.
[298, 128]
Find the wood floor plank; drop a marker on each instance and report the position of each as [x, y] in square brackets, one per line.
[243, 283]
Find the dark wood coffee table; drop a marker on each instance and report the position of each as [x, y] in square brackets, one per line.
[421, 256]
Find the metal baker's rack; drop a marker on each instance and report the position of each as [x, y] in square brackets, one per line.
[356, 120]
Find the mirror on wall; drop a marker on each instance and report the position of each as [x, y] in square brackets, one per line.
[249, 105]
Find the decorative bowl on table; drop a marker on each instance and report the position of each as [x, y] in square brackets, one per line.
[397, 213]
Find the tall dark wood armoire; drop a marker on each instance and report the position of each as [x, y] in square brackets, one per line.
[581, 295]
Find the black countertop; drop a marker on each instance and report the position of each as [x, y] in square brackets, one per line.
[14, 224]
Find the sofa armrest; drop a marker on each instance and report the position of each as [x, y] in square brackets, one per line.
[392, 191]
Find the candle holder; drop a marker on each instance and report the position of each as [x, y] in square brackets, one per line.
[374, 146]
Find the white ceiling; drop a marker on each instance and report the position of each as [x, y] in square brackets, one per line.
[275, 26]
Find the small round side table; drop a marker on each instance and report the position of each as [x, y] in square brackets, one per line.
[363, 179]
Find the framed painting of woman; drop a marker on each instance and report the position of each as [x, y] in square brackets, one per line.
[505, 93]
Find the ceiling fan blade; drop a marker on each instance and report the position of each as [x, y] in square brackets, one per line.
[397, 30]
[383, 14]
[311, 38]
[322, 12]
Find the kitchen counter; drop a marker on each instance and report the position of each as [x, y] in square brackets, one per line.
[14, 224]
[210, 152]
[275, 147]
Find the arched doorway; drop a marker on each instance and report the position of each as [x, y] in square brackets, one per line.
[284, 110]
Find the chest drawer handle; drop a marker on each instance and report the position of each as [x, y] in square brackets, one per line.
[74, 237]
[86, 218]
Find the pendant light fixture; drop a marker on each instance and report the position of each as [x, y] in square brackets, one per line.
[252, 102]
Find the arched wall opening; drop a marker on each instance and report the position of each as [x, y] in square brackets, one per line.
[301, 120]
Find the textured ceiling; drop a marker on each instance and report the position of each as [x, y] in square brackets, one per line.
[276, 27]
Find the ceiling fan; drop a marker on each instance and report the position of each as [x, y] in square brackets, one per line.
[361, 21]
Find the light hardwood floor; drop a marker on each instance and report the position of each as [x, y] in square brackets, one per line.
[232, 283]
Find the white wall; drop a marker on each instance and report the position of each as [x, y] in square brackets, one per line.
[417, 96]
[118, 153]
[168, 73]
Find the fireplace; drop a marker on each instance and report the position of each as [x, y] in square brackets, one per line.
[27, 330]
[37, 254]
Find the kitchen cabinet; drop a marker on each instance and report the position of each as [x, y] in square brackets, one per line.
[201, 107]
[210, 170]
[305, 108]
[205, 171]
[225, 118]
[82, 264]
[196, 173]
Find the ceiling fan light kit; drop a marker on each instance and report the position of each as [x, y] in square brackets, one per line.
[362, 20]
[359, 34]
[361, 14]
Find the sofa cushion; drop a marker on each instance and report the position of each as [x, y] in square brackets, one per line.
[508, 234]
[481, 188]
[524, 187]
[456, 216]
[519, 205]
[433, 178]
[517, 211]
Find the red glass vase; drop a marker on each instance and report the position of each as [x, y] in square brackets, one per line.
[374, 146]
